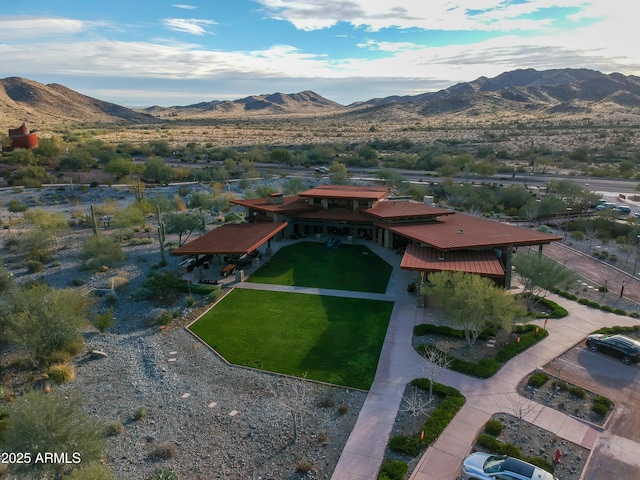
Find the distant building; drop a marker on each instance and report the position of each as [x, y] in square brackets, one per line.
[21, 138]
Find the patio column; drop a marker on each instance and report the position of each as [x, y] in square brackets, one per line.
[508, 255]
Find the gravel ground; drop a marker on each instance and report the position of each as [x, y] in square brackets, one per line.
[203, 418]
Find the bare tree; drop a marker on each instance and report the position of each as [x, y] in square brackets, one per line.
[415, 403]
[520, 407]
[437, 361]
[294, 395]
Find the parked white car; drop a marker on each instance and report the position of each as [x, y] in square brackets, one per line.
[486, 466]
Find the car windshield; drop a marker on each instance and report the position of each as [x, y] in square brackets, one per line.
[493, 464]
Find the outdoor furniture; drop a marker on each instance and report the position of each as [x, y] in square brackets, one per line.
[229, 269]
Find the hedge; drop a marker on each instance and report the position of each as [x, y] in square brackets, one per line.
[435, 424]
[486, 367]
[492, 444]
[393, 470]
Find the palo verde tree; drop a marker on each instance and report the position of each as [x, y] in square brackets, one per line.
[41, 423]
[44, 323]
[100, 251]
[539, 275]
[472, 303]
[182, 224]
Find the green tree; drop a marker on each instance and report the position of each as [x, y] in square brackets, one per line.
[99, 251]
[202, 201]
[472, 302]
[338, 174]
[41, 423]
[122, 167]
[182, 224]
[293, 186]
[78, 158]
[280, 155]
[51, 222]
[44, 323]
[538, 275]
[391, 177]
[156, 169]
[513, 196]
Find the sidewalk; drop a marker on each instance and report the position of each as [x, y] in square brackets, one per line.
[399, 363]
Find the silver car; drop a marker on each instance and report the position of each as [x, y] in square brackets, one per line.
[486, 466]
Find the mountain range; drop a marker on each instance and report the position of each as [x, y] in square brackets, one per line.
[516, 93]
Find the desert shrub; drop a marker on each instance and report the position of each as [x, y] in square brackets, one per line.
[164, 450]
[538, 379]
[599, 409]
[409, 445]
[488, 442]
[577, 392]
[164, 473]
[393, 470]
[326, 402]
[140, 294]
[140, 414]
[577, 235]
[189, 301]
[114, 428]
[91, 471]
[343, 409]
[510, 450]
[100, 251]
[104, 320]
[34, 266]
[164, 284]
[165, 318]
[304, 467]
[561, 385]
[61, 373]
[601, 405]
[493, 427]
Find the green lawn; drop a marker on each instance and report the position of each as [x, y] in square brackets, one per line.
[331, 339]
[313, 264]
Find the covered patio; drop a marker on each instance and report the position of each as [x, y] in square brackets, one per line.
[224, 251]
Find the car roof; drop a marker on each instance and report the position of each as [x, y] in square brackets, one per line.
[624, 339]
[518, 466]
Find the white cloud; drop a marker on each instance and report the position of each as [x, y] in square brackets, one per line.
[432, 14]
[185, 7]
[389, 46]
[27, 27]
[194, 26]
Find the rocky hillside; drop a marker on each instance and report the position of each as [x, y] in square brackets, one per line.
[549, 92]
[510, 96]
[54, 104]
[306, 102]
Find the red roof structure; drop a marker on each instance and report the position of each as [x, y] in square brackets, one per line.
[481, 262]
[231, 239]
[346, 192]
[402, 209]
[461, 231]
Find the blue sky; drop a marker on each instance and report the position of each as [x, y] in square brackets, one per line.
[155, 52]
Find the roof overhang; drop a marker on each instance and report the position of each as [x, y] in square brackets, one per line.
[480, 262]
[231, 239]
[463, 232]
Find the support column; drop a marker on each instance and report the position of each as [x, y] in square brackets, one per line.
[508, 255]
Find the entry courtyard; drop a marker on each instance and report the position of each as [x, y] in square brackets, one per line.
[332, 339]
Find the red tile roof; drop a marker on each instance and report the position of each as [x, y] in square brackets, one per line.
[399, 209]
[481, 262]
[231, 239]
[347, 192]
[288, 205]
[460, 231]
[335, 215]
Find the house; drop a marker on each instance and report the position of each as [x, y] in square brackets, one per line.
[430, 238]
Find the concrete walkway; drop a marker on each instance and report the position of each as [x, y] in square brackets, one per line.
[399, 363]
